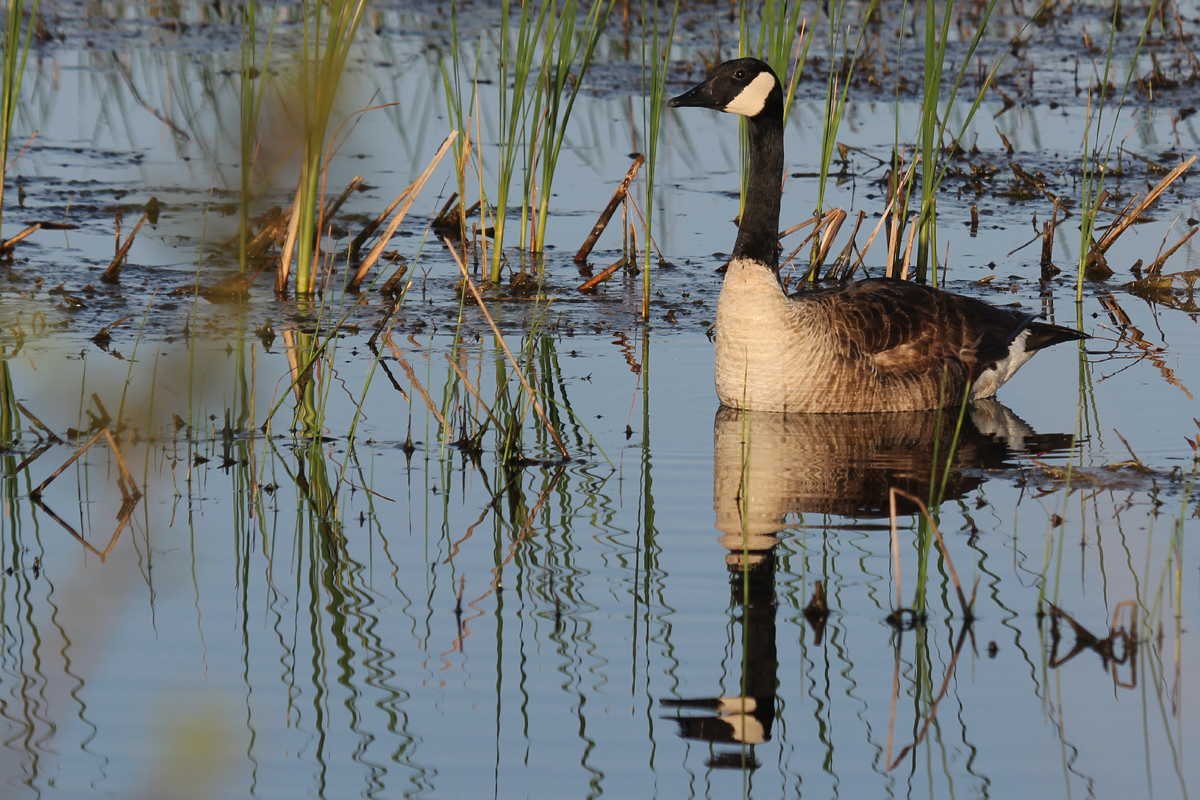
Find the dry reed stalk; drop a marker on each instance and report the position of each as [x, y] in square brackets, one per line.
[126, 477]
[1117, 228]
[130, 495]
[836, 217]
[289, 246]
[357, 243]
[893, 235]
[609, 210]
[641, 219]
[895, 548]
[388, 232]
[847, 253]
[392, 284]
[49, 433]
[862, 254]
[114, 269]
[293, 360]
[537, 406]
[1161, 261]
[912, 233]
[123, 517]
[591, 283]
[825, 219]
[274, 226]
[33, 456]
[8, 245]
[332, 208]
[933, 708]
[474, 392]
[1048, 237]
[412, 378]
[895, 695]
[41, 487]
[526, 530]
[796, 227]
[625, 228]
[962, 598]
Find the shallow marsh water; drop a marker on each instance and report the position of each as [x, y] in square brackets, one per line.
[399, 614]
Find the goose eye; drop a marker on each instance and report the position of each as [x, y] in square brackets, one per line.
[740, 74]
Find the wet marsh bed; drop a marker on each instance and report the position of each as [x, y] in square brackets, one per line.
[375, 574]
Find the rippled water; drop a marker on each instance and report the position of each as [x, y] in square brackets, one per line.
[415, 603]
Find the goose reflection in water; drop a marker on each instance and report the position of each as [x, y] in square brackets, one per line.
[769, 465]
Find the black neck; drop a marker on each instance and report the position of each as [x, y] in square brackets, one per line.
[758, 236]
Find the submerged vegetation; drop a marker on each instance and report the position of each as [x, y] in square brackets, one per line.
[409, 525]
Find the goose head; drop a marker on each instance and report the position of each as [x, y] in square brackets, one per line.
[743, 86]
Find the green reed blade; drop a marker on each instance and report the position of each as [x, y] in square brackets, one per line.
[836, 93]
[659, 56]
[558, 112]
[1094, 174]
[323, 57]
[15, 50]
[250, 105]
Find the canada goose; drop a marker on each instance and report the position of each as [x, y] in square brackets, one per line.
[876, 345]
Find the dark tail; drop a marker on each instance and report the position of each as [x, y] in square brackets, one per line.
[1043, 334]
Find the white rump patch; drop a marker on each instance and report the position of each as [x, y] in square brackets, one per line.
[750, 101]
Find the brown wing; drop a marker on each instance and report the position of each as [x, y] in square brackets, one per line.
[903, 327]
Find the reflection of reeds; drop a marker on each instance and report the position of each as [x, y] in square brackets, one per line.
[927, 525]
[533, 396]
[10, 417]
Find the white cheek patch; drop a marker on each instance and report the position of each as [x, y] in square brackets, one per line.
[751, 100]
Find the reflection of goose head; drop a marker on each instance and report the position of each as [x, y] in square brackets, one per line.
[769, 465]
[744, 719]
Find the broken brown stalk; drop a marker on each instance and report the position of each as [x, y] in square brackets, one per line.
[609, 210]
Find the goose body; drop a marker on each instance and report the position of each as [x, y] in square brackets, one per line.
[875, 345]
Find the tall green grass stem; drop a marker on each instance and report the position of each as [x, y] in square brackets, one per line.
[16, 48]
[326, 46]
[656, 54]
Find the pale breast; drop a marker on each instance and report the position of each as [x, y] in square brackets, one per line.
[775, 353]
